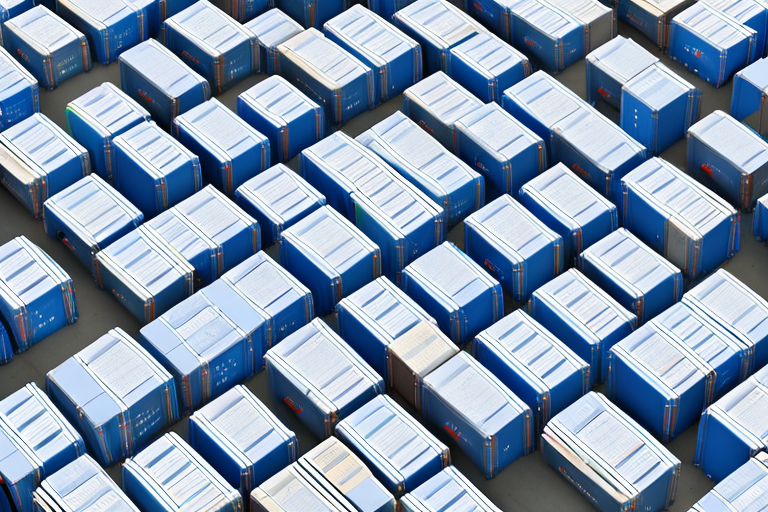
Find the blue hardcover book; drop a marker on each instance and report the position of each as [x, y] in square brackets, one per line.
[487, 66]
[161, 82]
[733, 429]
[414, 355]
[751, 13]
[210, 232]
[36, 442]
[19, 92]
[401, 453]
[320, 378]
[88, 216]
[145, 274]
[455, 291]
[652, 17]
[611, 66]
[330, 256]
[732, 358]
[750, 86]
[111, 26]
[400, 219]
[37, 297]
[373, 317]
[313, 13]
[597, 150]
[201, 343]
[336, 468]
[436, 103]
[38, 160]
[423, 161]
[512, 245]
[736, 308]
[553, 37]
[115, 394]
[760, 219]
[537, 367]
[212, 44]
[272, 293]
[500, 148]
[730, 156]
[244, 10]
[638, 278]
[583, 317]
[292, 486]
[64, 489]
[488, 422]
[609, 458]
[277, 109]
[394, 57]
[153, 170]
[570, 208]
[271, 29]
[242, 439]
[51, 49]
[277, 198]
[541, 103]
[444, 491]
[679, 218]
[438, 26]
[658, 107]
[331, 76]
[97, 117]
[712, 45]
[663, 384]
[229, 149]
[169, 475]
[744, 489]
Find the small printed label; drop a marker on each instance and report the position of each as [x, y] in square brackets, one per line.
[187, 55]
[295, 407]
[453, 431]
[145, 96]
[425, 126]
[579, 170]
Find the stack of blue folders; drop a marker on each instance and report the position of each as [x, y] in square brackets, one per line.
[36, 441]
[115, 394]
[729, 155]
[679, 218]
[169, 472]
[744, 489]
[212, 44]
[393, 213]
[423, 161]
[733, 429]
[320, 378]
[394, 57]
[438, 26]
[63, 489]
[242, 439]
[37, 297]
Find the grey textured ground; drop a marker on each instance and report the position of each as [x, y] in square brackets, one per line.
[528, 485]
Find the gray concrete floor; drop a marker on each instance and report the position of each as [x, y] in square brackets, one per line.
[528, 485]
